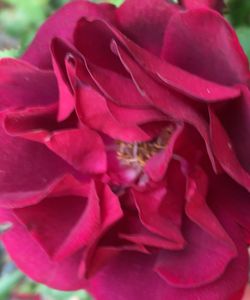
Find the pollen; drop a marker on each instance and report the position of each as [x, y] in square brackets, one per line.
[138, 153]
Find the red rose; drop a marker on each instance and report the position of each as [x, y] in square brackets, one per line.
[124, 152]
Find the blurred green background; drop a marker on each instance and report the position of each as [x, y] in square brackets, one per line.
[19, 20]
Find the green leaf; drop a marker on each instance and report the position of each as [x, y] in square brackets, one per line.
[115, 2]
[7, 284]
[244, 37]
[9, 53]
[52, 294]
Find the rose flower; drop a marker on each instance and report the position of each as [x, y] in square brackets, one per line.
[124, 157]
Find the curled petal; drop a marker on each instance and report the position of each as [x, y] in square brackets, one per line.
[93, 111]
[71, 12]
[28, 171]
[87, 155]
[24, 85]
[225, 153]
[145, 21]
[235, 118]
[34, 261]
[215, 4]
[200, 27]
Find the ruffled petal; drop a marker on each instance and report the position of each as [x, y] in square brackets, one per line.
[235, 118]
[174, 105]
[178, 79]
[93, 111]
[43, 219]
[225, 153]
[149, 206]
[24, 85]
[28, 171]
[36, 123]
[131, 276]
[35, 262]
[145, 21]
[213, 255]
[215, 4]
[53, 27]
[81, 148]
[190, 44]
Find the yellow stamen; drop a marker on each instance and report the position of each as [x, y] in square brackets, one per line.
[138, 153]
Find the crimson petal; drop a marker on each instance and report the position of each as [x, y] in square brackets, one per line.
[53, 27]
[190, 44]
[213, 255]
[28, 171]
[24, 85]
[34, 261]
[145, 21]
[215, 4]
[225, 153]
[88, 153]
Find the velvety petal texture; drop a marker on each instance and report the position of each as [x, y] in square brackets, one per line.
[215, 4]
[124, 152]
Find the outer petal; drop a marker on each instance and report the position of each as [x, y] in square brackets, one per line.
[24, 85]
[36, 123]
[211, 255]
[215, 4]
[43, 219]
[33, 260]
[170, 75]
[227, 194]
[28, 171]
[39, 51]
[235, 118]
[190, 44]
[130, 276]
[145, 21]
[225, 153]
[82, 148]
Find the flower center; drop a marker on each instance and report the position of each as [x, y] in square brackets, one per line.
[138, 153]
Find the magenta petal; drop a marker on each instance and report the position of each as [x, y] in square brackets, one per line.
[117, 88]
[33, 123]
[198, 210]
[137, 116]
[43, 220]
[213, 255]
[93, 111]
[60, 56]
[226, 193]
[87, 153]
[28, 171]
[156, 166]
[89, 38]
[33, 260]
[185, 82]
[98, 257]
[174, 105]
[24, 85]
[235, 118]
[141, 235]
[56, 26]
[150, 210]
[225, 154]
[190, 44]
[130, 276]
[215, 4]
[145, 21]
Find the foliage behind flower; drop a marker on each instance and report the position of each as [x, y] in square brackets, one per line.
[125, 152]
